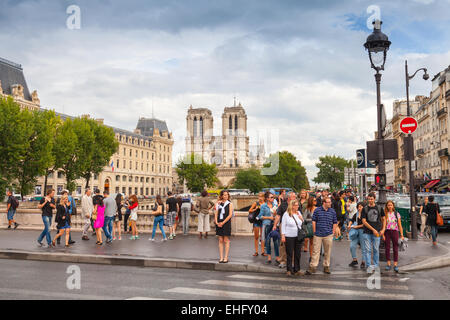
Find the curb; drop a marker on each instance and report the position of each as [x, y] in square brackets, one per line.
[136, 261]
[431, 263]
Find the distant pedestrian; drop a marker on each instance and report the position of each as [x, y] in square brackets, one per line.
[257, 226]
[303, 200]
[134, 205]
[70, 209]
[357, 224]
[203, 207]
[432, 209]
[47, 204]
[110, 213]
[98, 216]
[323, 195]
[186, 208]
[62, 219]
[118, 217]
[222, 218]
[292, 223]
[324, 226]
[87, 207]
[423, 216]
[178, 218]
[393, 227]
[267, 215]
[172, 211]
[307, 217]
[373, 218]
[126, 216]
[11, 206]
[158, 212]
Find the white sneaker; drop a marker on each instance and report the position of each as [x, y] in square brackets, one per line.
[165, 239]
[150, 239]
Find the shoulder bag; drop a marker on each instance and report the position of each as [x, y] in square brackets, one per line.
[301, 235]
[439, 220]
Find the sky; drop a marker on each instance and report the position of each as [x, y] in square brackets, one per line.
[298, 68]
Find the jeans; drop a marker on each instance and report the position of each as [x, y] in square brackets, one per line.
[11, 213]
[46, 233]
[126, 216]
[185, 215]
[108, 227]
[276, 242]
[434, 232]
[354, 245]
[158, 221]
[372, 245]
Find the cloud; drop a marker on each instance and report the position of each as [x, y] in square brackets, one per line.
[297, 67]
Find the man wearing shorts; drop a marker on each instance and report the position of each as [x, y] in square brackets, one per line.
[172, 209]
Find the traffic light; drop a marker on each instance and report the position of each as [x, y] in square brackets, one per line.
[380, 179]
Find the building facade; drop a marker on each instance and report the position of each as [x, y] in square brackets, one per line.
[141, 166]
[230, 151]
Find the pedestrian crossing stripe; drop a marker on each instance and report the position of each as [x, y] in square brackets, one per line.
[310, 290]
[225, 294]
[315, 281]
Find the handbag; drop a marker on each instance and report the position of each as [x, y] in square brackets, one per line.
[301, 235]
[308, 229]
[439, 220]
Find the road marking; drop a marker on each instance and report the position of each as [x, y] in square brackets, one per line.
[315, 281]
[56, 295]
[341, 292]
[223, 294]
[403, 279]
[146, 298]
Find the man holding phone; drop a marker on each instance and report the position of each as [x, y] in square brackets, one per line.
[374, 221]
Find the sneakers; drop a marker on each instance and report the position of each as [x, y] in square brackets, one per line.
[15, 225]
[109, 240]
[132, 238]
[114, 238]
[39, 243]
[299, 273]
[84, 238]
[170, 237]
[282, 265]
[370, 270]
[388, 268]
[136, 237]
[164, 239]
[363, 265]
[326, 270]
[289, 274]
[354, 263]
[151, 239]
[9, 227]
[120, 238]
[396, 269]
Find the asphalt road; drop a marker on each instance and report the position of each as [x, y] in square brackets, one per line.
[48, 280]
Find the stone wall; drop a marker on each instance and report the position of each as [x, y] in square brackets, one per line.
[31, 219]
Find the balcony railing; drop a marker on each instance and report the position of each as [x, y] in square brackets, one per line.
[443, 152]
[419, 152]
[442, 112]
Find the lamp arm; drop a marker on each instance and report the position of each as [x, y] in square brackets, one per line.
[424, 70]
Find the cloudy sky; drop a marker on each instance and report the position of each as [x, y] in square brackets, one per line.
[296, 66]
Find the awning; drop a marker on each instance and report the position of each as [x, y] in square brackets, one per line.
[442, 187]
[431, 184]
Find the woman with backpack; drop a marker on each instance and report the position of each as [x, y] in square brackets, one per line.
[158, 212]
[257, 225]
[355, 234]
[393, 227]
[432, 209]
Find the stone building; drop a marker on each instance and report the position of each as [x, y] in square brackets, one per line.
[141, 166]
[230, 151]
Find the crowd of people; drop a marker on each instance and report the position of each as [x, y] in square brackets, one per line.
[284, 224]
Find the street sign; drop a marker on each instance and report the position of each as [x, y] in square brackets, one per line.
[361, 158]
[413, 165]
[408, 125]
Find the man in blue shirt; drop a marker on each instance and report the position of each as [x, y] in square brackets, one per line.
[324, 225]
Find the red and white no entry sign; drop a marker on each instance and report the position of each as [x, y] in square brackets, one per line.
[408, 125]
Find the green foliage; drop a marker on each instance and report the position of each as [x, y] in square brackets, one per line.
[331, 171]
[251, 179]
[14, 143]
[290, 174]
[38, 156]
[196, 173]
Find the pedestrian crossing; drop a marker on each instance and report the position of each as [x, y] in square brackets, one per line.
[316, 287]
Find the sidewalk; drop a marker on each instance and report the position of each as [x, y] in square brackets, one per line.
[192, 252]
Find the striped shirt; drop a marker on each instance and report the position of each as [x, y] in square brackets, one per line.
[324, 221]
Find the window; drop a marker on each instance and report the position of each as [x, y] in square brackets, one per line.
[136, 165]
[142, 167]
[124, 163]
[124, 151]
[95, 176]
[153, 191]
[153, 168]
[50, 175]
[147, 167]
[135, 190]
[147, 155]
[153, 156]
[117, 190]
[142, 179]
[147, 180]
[124, 178]
[131, 165]
[130, 178]
[124, 190]
[130, 191]
[136, 153]
[60, 174]
[146, 191]
[142, 154]
[117, 178]
[38, 190]
[142, 191]
[153, 181]
[136, 179]
[78, 190]
[117, 165]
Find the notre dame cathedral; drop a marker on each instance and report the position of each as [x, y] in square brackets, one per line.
[230, 151]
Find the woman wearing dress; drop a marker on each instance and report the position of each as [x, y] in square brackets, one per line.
[63, 219]
[99, 214]
[222, 218]
[133, 217]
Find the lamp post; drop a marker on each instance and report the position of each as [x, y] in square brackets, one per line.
[377, 45]
[412, 191]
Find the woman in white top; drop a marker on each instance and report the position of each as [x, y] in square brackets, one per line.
[292, 222]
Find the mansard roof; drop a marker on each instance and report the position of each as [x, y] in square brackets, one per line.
[10, 74]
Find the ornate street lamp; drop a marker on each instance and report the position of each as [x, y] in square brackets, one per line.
[377, 45]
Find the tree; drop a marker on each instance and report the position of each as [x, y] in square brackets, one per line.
[290, 174]
[65, 150]
[251, 179]
[38, 156]
[13, 141]
[331, 171]
[196, 173]
[97, 144]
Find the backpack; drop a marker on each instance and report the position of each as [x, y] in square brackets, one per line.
[14, 203]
